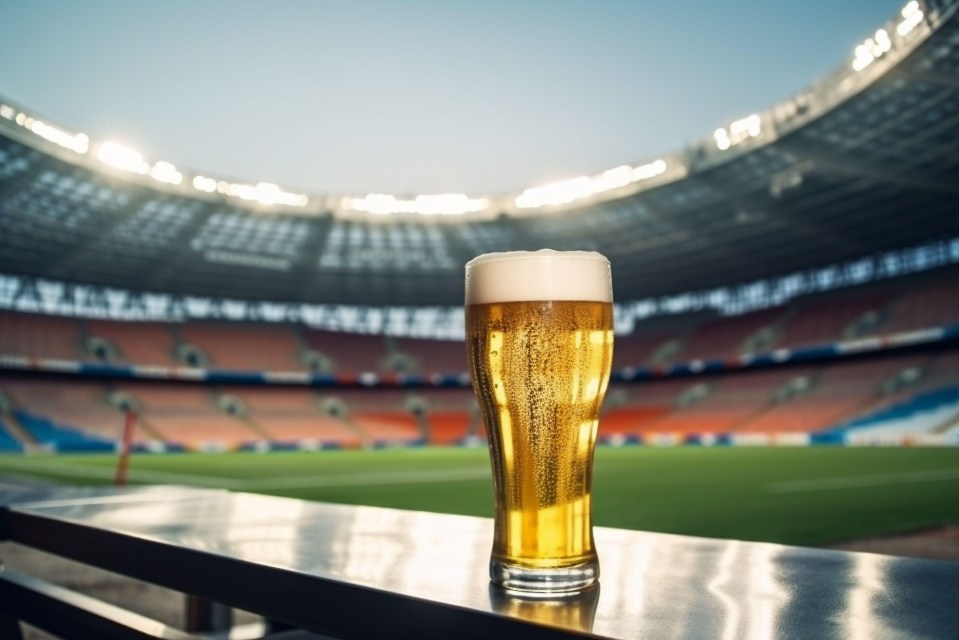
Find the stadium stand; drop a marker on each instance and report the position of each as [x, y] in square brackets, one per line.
[728, 337]
[934, 303]
[451, 415]
[188, 415]
[726, 402]
[929, 413]
[831, 318]
[245, 346]
[349, 352]
[40, 336]
[642, 348]
[287, 415]
[50, 406]
[631, 409]
[136, 343]
[430, 356]
[7, 442]
[832, 394]
[384, 417]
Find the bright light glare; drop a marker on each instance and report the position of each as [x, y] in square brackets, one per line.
[722, 139]
[740, 130]
[78, 143]
[207, 185]
[912, 16]
[7, 111]
[121, 157]
[166, 172]
[748, 127]
[872, 49]
[449, 204]
[262, 192]
[883, 43]
[566, 191]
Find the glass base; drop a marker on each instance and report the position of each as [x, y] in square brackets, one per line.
[561, 580]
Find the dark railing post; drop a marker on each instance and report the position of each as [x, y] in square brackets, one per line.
[204, 615]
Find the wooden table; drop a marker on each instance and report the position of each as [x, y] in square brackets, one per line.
[365, 572]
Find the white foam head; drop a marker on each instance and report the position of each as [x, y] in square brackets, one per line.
[518, 276]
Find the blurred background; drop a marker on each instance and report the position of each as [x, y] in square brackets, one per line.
[234, 237]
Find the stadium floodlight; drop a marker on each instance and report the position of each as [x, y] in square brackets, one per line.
[649, 170]
[912, 15]
[122, 157]
[427, 205]
[748, 127]
[262, 192]
[201, 183]
[566, 191]
[722, 139]
[166, 172]
[78, 143]
[738, 131]
[872, 49]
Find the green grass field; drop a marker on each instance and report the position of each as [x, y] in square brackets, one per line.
[795, 496]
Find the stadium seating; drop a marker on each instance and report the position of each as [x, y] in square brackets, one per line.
[931, 304]
[726, 337]
[350, 353]
[732, 401]
[40, 336]
[640, 348]
[137, 343]
[188, 415]
[77, 406]
[633, 409]
[451, 415]
[61, 438]
[826, 319]
[7, 442]
[838, 392]
[245, 346]
[433, 356]
[382, 416]
[293, 415]
[929, 413]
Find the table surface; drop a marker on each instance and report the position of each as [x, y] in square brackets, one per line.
[371, 572]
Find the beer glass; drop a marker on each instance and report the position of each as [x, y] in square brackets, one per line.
[539, 340]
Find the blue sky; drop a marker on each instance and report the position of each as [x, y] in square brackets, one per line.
[416, 96]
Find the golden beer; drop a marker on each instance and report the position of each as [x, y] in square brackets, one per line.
[540, 368]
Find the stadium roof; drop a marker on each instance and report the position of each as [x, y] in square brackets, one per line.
[862, 161]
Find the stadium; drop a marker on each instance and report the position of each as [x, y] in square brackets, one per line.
[786, 360]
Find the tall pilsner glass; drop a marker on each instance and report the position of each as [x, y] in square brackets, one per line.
[539, 340]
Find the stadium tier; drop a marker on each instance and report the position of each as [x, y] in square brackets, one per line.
[815, 398]
[347, 352]
[139, 343]
[243, 347]
[835, 397]
[40, 336]
[291, 416]
[928, 301]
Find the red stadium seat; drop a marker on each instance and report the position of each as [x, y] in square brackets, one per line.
[245, 346]
[40, 336]
[137, 343]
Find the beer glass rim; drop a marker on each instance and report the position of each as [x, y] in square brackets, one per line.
[518, 276]
[540, 254]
